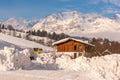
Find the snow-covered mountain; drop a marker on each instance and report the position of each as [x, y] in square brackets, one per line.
[78, 24]
[20, 23]
[73, 23]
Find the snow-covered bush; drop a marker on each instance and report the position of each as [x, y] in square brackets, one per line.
[12, 59]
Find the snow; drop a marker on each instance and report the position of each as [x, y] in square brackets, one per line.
[43, 75]
[22, 42]
[3, 44]
[11, 59]
[66, 39]
[104, 67]
[45, 40]
[48, 66]
[47, 61]
[20, 23]
[74, 23]
[16, 64]
[117, 17]
[107, 67]
[62, 68]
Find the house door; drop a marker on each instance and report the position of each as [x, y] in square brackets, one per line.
[75, 55]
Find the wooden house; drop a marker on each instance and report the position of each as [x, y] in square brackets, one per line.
[73, 47]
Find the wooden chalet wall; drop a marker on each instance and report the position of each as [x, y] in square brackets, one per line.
[71, 46]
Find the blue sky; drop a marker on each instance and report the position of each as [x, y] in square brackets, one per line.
[32, 9]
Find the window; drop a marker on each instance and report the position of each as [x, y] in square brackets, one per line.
[75, 47]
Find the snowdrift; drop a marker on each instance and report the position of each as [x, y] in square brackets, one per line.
[47, 61]
[12, 59]
[104, 67]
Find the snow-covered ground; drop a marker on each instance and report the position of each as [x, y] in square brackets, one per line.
[46, 67]
[7, 39]
[44, 75]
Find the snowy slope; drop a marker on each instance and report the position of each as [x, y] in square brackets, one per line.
[78, 24]
[4, 43]
[22, 42]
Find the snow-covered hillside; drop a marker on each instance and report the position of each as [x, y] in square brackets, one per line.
[7, 40]
[4, 43]
[78, 24]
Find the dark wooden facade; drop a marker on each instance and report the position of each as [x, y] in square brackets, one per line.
[71, 46]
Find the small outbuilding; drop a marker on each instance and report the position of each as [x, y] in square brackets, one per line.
[72, 47]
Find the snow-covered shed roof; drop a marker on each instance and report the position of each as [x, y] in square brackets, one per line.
[66, 39]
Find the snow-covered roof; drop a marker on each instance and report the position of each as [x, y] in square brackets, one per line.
[66, 39]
